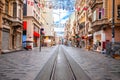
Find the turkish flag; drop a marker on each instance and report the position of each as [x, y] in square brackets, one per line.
[28, 2]
[78, 9]
[32, 3]
[85, 8]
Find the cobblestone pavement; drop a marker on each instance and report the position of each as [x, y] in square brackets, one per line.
[23, 65]
[96, 65]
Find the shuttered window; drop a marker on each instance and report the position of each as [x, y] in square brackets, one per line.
[6, 6]
[14, 9]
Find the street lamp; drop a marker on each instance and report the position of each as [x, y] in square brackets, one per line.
[113, 21]
[41, 35]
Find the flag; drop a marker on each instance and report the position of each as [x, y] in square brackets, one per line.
[28, 2]
[32, 3]
[78, 9]
[85, 8]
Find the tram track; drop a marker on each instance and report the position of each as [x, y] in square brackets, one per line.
[52, 77]
[61, 67]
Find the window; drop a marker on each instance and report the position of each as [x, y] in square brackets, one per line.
[118, 10]
[20, 13]
[6, 6]
[100, 14]
[14, 9]
[24, 9]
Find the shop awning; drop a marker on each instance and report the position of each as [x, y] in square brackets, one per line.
[89, 36]
[36, 34]
[24, 25]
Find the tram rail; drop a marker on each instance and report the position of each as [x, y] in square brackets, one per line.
[68, 64]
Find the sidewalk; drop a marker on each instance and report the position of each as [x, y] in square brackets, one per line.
[96, 65]
[23, 65]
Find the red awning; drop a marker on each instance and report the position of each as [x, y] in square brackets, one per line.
[24, 25]
[83, 37]
[36, 34]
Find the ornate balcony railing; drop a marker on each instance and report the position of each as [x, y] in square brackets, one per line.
[99, 22]
[92, 3]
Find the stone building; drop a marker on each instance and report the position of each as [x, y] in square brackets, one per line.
[82, 21]
[1, 10]
[11, 25]
[94, 22]
[102, 21]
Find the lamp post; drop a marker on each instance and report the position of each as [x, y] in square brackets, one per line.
[113, 25]
[41, 35]
[40, 42]
[113, 21]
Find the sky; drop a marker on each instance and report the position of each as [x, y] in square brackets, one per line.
[64, 10]
[60, 17]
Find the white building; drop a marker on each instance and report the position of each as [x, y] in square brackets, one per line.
[48, 23]
[31, 22]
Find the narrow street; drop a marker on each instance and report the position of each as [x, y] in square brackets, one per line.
[62, 68]
[58, 63]
[59, 39]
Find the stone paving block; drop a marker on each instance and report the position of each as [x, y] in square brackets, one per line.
[23, 65]
[96, 65]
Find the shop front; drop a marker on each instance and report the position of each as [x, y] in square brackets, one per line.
[98, 40]
[89, 41]
[36, 39]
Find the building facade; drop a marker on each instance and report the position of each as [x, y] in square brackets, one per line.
[48, 23]
[1, 10]
[31, 24]
[102, 22]
[11, 25]
[94, 21]
[82, 22]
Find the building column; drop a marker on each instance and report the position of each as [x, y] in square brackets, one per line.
[0, 31]
[1, 6]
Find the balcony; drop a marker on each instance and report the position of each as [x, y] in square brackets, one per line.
[98, 24]
[13, 21]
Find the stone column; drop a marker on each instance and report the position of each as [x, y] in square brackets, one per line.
[0, 30]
